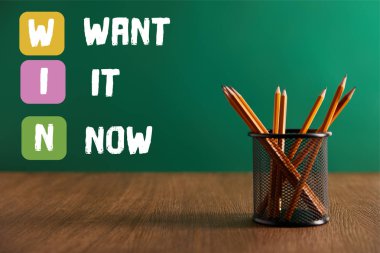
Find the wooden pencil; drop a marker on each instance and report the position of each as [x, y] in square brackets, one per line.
[281, 142]
[283, 111]
[330, 114]
[250, 111]
[242, 110]
[276, 110]
[274, 170]
[306, 125]
[342, 103]
[237, 109]
[324, 127]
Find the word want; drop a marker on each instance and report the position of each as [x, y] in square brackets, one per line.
[120, 28]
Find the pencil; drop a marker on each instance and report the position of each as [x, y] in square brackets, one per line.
[281, 142]
[306, 125]
[276, 110]
[324, 127]
[274, 171]
[259, 123]
[310, 198]
[237, 109]
[330, 114]
[283, 111]
[242, 110]
[342, 103]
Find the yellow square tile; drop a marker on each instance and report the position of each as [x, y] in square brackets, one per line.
[42, 33]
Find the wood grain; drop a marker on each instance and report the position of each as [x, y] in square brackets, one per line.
[177, 212]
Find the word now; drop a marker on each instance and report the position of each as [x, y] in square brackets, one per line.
[120, 28]
[137, 142]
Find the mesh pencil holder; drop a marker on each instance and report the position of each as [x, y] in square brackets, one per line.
[290, 178]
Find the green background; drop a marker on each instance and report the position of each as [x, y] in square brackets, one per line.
[254, 46]
[28, 138]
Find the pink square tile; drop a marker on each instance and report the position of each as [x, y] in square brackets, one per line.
[43, 82]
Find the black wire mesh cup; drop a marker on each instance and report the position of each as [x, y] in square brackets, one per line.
[290, 189]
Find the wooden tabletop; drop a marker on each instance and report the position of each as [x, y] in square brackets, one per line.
[178, 212]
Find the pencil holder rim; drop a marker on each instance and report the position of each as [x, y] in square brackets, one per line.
[292, 133]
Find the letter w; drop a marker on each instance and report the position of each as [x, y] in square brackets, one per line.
[40, 34]
[138, 141]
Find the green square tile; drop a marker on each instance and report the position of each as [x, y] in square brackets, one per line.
[51, 130]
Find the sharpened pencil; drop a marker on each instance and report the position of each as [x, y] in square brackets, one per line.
[281, 142]
[334, 103]
[273, 169]
[260, 125]
[306, 125]
[342, 103]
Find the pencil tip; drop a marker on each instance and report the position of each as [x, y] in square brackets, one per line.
[351, 92]
[343, 83]
[323, 92]
[278, 89]
[236, 92]
[284, 92]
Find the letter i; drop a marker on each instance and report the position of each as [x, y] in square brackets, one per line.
[43, 80]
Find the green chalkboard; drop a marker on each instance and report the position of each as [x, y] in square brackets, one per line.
[252, 45]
